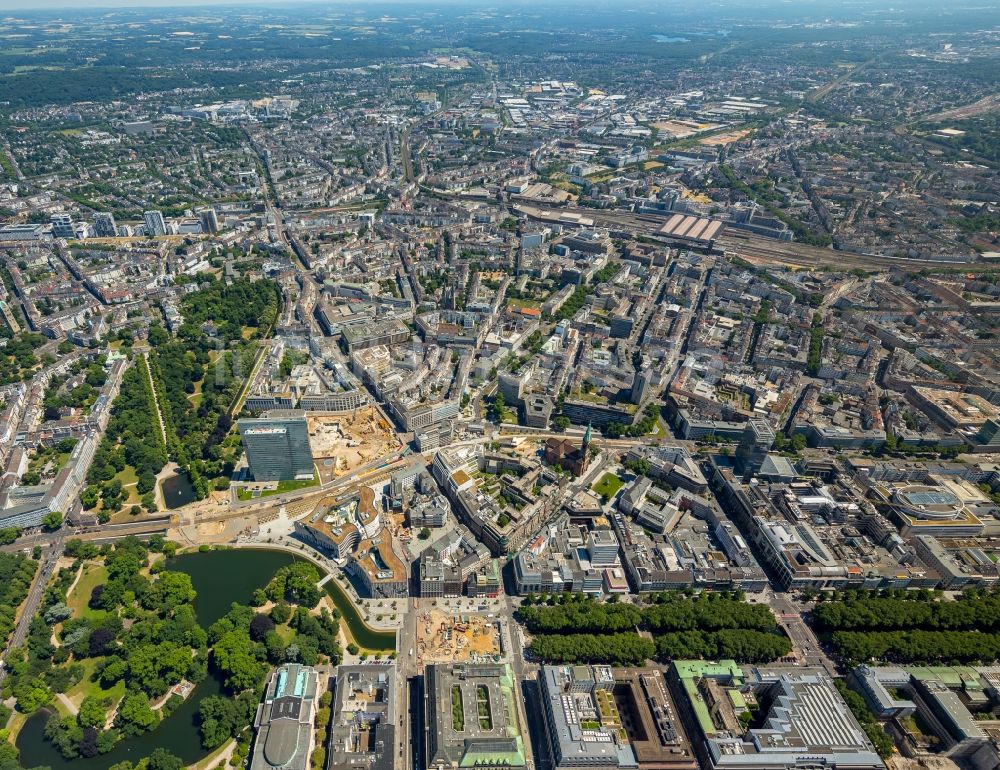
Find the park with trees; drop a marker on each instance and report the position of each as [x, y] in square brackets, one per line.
[131, 441]
[134, 638]
[117, 631]
[200, 372]
[17, 355]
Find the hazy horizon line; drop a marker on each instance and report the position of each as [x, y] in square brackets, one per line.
[16, 7]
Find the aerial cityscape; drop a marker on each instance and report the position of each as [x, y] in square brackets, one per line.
[539, 386]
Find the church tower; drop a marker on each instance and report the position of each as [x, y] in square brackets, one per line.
[585, 448]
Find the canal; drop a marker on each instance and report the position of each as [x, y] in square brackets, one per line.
[220, 578]
[364, 635]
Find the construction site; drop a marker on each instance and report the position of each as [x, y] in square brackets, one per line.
[343, 442]
[444, 638]
[679, 129]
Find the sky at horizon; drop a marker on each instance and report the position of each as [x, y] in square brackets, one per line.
[836, 8]
[9, 7]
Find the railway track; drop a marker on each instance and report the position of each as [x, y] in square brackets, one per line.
[749, 245]
[802, 255]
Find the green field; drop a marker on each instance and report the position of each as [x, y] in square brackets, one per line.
[127, 476]
[293, 484]
[283, 486]
[608, 486]
[93, 575]
[86, 687]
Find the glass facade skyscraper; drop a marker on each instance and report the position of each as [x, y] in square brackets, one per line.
[277, 446]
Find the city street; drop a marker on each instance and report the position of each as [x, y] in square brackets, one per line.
[46, 568]
[790, 614]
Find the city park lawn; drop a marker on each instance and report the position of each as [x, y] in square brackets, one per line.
[93, 575]
[608, 486]
[86, 687]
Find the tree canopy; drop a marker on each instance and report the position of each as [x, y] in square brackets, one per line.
[712, 625]
[913, 627]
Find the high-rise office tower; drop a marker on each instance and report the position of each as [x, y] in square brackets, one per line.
[209, 221]
[277, 446]
[989, 434]
[62, 226]
[105, 225]
[155, 224]
[642, 384]
[755, 443]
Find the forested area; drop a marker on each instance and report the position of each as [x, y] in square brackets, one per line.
[199, 374]
[588, 616]
[712, 625]
[574, 303]
[708, 612]
[132, 439]
[666, 612]
[295, 584]
[743, 645]
[916, 646]
[913, 627]
[42, 86]
[245, 642]
[816, 333]
[231, 307]
[606, 273]
[981, 136]
[198, 428]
